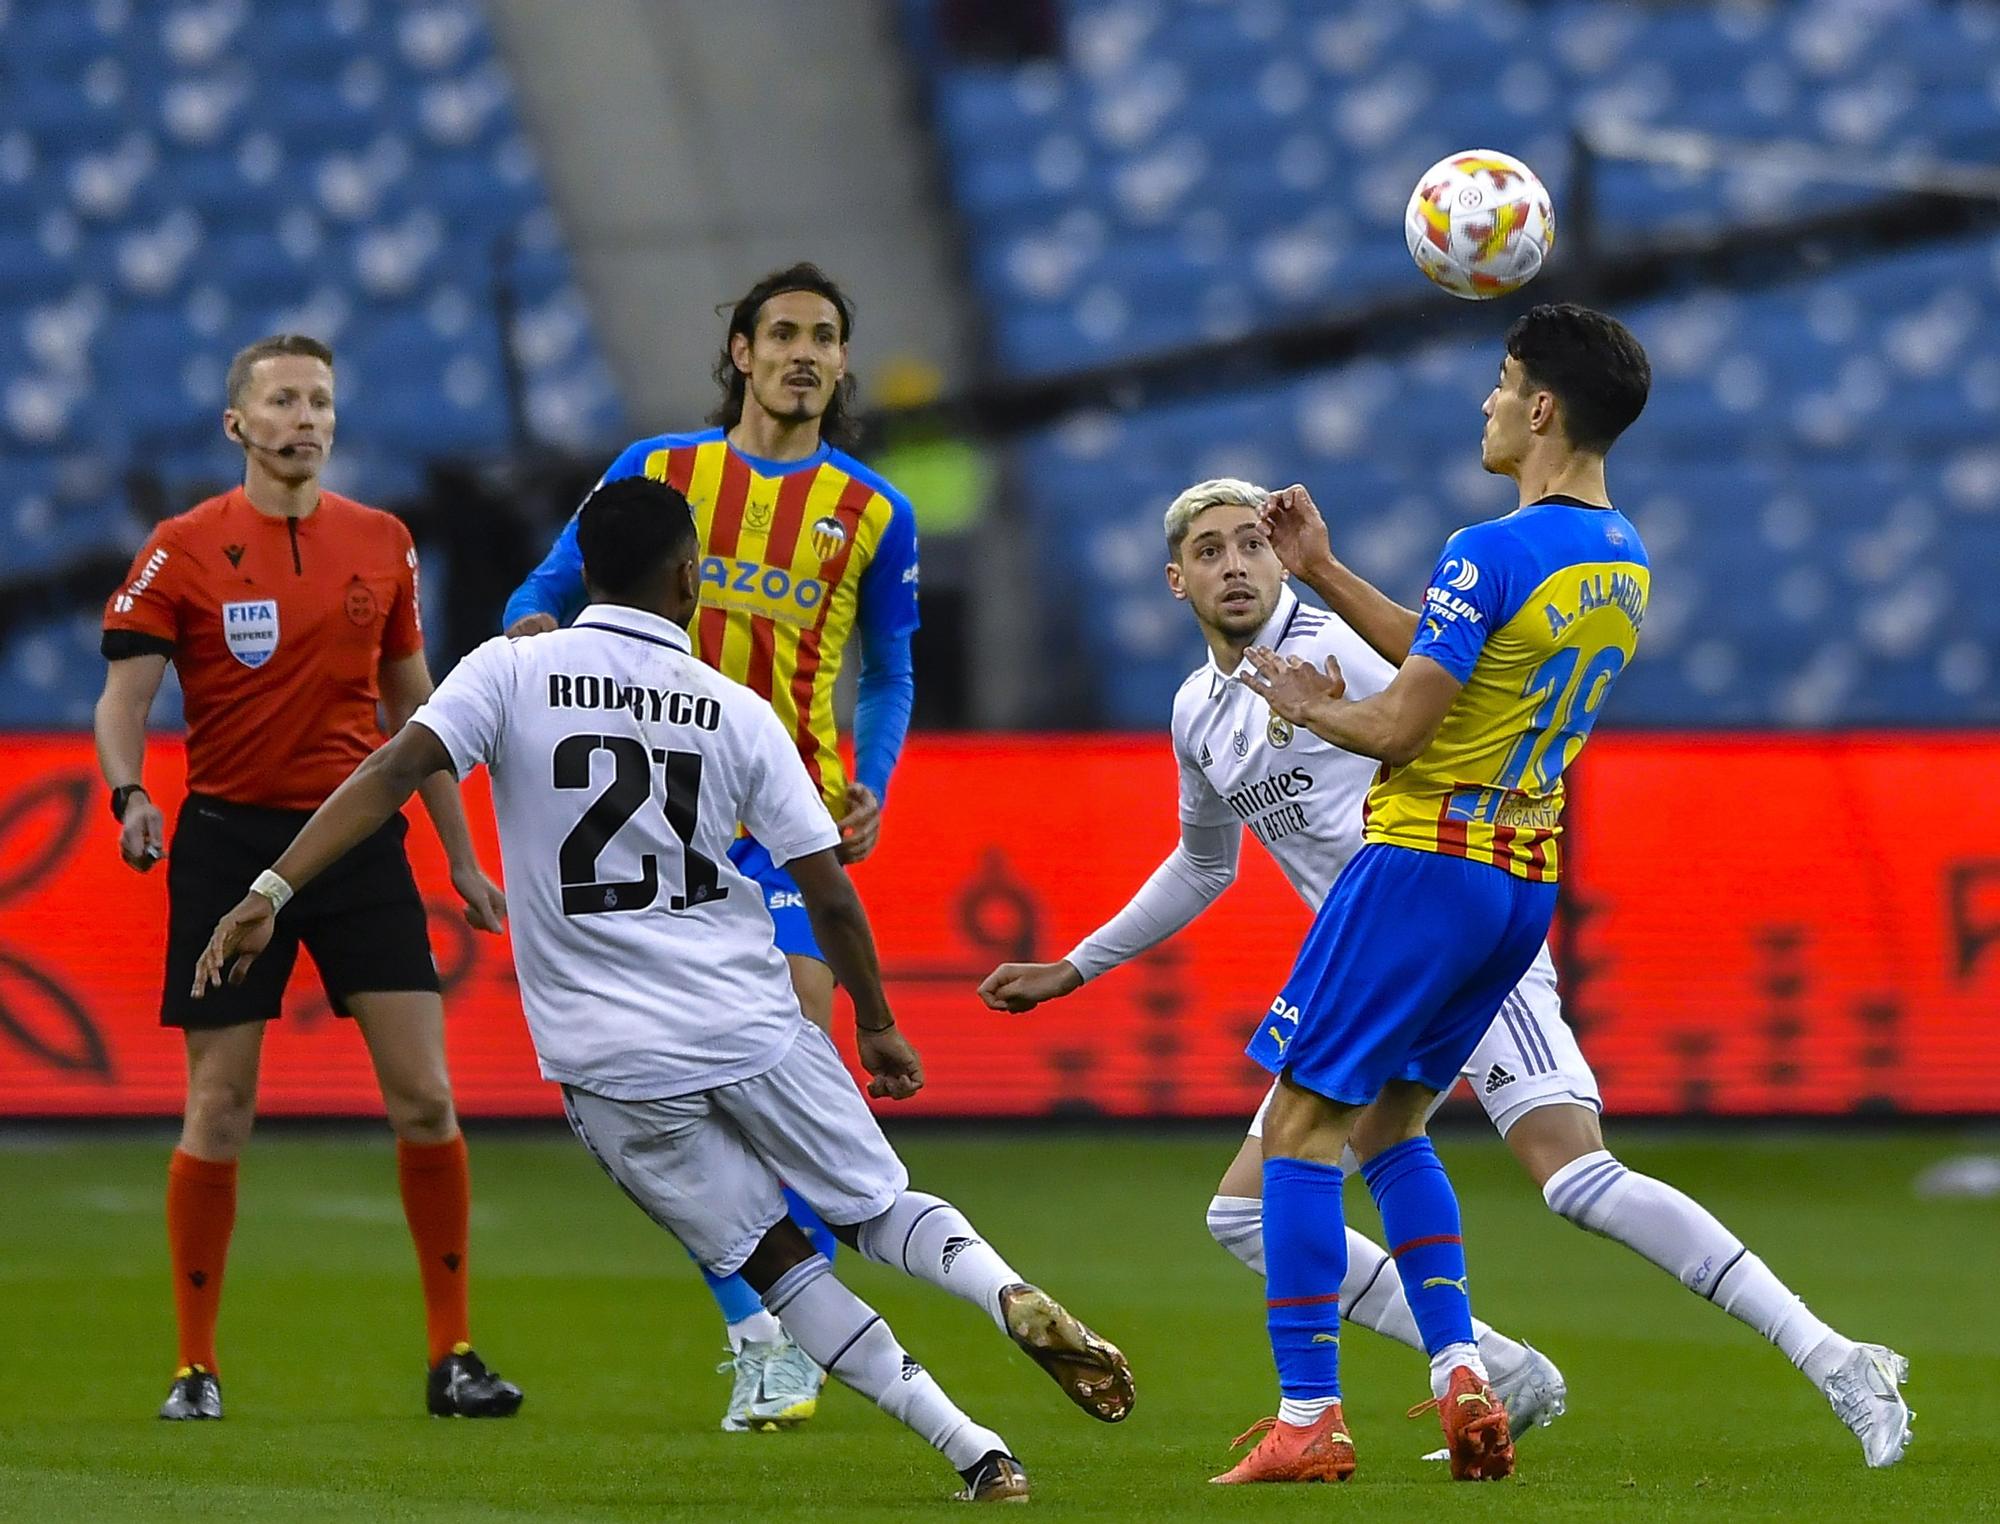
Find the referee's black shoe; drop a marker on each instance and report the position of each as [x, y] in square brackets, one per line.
[461, 1386]
[195, 1394]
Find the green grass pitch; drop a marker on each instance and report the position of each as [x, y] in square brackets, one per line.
[1676, 1412]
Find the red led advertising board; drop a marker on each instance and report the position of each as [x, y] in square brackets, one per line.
[1751, 925]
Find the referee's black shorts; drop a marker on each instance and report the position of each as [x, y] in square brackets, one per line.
[362, 920]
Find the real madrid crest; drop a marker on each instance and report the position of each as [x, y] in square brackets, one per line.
[829, 537]
[1279, 731]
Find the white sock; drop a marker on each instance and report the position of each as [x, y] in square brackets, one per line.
[759, 1328]
[928, 1237]
[1301, 1411]
[849, 1339]
[1237, 1223]
[1448, 1359]
[1371, 1294]
[1683, 1238]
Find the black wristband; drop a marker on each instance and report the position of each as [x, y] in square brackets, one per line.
[122, 797]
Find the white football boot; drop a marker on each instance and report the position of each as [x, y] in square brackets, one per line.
[788, 1388]
[747, 1367]
[1862, 1390]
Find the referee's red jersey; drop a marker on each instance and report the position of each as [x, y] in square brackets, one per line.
[277, 628]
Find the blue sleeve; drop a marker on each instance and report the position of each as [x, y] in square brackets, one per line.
[1467, 600]
[889, 585]
[882, 704]
[555, 587]
[888, 617]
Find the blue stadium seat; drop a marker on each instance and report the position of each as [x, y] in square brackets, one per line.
[1263, 116]
[178, 180]
[1815, 474]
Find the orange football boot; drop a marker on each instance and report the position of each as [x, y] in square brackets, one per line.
[1316, 1452]
[1476, 1436]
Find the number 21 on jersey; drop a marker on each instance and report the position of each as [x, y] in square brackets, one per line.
[631, 789]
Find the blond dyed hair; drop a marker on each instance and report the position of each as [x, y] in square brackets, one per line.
[1217, 492]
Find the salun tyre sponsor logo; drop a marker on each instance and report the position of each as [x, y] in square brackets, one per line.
[1449, 606]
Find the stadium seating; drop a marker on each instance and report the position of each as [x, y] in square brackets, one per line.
[176, 180]
[1194, 170]
[1816, 476]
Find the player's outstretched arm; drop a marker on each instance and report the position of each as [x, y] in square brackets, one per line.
[844, 936]
[1393, 726]
[1298, 536]
[353, 812]
[1191, 879]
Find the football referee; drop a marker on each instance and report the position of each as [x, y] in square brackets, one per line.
[290, 613]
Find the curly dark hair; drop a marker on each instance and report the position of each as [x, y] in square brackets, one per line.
[837, 424]
[629, 529]
[1597, 370]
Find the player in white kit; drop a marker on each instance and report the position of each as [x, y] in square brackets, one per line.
[656, 997]
[1242, 766]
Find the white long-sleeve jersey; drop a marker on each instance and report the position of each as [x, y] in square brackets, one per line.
[1244, 768]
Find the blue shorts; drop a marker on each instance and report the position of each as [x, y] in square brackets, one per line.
[1404, 969]
[781, 897]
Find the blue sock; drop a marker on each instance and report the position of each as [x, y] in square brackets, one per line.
[1420, 1226]
[733, 1294]
[820, 1234]
[1305, 1260]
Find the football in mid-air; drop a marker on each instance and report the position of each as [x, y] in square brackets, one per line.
[1480, 224]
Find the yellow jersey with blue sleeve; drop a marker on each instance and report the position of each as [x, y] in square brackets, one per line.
[1536, 613]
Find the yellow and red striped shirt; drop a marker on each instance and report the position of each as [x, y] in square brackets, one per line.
[795, 556]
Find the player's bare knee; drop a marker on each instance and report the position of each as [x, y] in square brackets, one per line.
[1551, 1137]
[422, 1113]
[221, 1110]
[1245, 1175]
[1303, 1125]
[779, 1250]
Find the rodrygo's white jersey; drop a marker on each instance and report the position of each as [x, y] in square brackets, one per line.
[621, 766]
[1300, 796]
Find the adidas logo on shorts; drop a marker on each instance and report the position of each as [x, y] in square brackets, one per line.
[1496, 1077]
[911, 1370]
[953, 1247]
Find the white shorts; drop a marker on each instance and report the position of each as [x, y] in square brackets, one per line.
[1527, 1059]
[710, 1167]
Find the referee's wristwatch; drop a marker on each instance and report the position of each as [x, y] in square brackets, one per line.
[121, 797]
